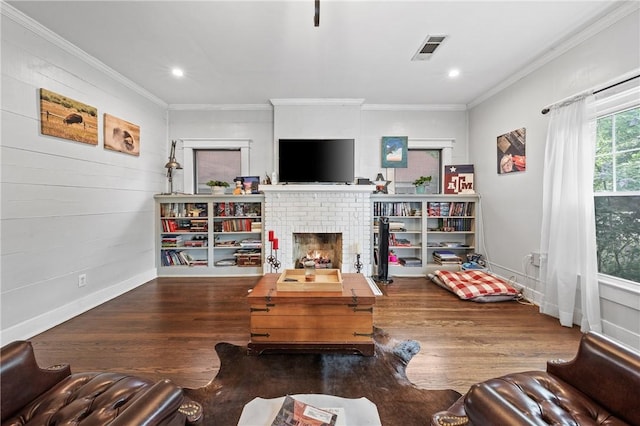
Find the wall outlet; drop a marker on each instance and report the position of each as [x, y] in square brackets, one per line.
[82, 280]
[535, 258]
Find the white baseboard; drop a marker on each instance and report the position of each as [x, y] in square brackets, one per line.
[622, 335]
[34, 326]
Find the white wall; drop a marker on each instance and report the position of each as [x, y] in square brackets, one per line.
[70, 208]
[512, 203]
[371, 124]
[248, 122]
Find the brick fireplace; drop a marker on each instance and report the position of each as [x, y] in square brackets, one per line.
[319, 209]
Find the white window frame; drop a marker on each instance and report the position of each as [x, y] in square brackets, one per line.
[191, 145]
[445, 145]
[607, 105]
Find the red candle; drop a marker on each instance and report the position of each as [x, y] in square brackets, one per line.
[270, 235]
[275, 244]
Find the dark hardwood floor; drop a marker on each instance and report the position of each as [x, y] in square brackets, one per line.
[167, 328]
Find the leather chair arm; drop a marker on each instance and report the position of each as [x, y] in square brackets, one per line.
[489, 407]
[453, 416]
[158, 404]
[605, 371]
[22, 379]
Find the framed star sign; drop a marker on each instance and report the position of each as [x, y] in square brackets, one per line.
[458, 179]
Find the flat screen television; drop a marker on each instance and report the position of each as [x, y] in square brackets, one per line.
[316, 160]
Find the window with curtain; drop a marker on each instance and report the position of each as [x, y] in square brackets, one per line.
[617, 183]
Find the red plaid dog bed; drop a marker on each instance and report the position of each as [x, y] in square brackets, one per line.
[473, 285]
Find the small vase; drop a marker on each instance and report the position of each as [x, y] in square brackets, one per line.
[217, 190]
[421, 189]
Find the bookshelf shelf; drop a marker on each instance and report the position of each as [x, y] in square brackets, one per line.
[208, 235]
[425, 224]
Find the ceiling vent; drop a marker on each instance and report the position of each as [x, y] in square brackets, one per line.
[428, 47]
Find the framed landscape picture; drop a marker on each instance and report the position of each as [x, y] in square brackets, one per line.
[121, 136]
[394, 151]
[67, 118]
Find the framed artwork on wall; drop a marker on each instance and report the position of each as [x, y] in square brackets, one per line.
[511, 152]
[394, 151]
[67, 118]
[121, 136]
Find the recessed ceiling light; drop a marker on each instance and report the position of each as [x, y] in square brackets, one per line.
[454, 73]
[177, 72]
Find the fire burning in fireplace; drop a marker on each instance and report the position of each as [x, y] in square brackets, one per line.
[323, 249]
[320, 258]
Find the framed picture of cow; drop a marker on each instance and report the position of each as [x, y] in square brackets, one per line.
[120, 135]
[67, 118]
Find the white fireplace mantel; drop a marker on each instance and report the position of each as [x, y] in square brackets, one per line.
[317, 208]
[316, 188]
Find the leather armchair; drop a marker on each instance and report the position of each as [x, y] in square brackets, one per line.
[598, 387]
[53, 395]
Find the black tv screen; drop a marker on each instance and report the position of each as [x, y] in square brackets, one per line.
[316, 160]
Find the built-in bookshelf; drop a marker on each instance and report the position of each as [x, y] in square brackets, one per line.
[209, 235]
[426, 232]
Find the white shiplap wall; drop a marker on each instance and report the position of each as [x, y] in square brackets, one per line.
[69, 208]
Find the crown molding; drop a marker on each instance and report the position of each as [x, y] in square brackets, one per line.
[606, 20]
[315, 102]
[219, 107]
[414, 107]
[40, 30]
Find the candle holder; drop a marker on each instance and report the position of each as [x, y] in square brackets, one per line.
[358, 263]
[272, 259]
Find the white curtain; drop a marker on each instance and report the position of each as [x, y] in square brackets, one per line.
[568, 226]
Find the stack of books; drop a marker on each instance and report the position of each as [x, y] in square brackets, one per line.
[410, 262]
[443, 257]
[172, 241]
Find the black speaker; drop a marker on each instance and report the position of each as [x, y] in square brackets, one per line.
[383, 252]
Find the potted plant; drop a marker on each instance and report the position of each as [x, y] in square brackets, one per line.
[217, 186]
[421, 183]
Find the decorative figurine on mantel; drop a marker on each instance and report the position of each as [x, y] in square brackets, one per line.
[381, 184]
[238, 189]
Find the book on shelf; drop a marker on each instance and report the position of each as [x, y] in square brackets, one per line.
[172, 241]
[395, 241]
[410, 261]
[251, 243]
[294, 412]
[453, 208]
[237, 225]
[180, 258]
[183, 209]
[396, 226]
[196, 243]
[446, 256]
[400, 208]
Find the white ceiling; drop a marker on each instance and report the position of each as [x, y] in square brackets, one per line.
[247, 52]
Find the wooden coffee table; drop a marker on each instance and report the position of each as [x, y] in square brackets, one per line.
[314, 321]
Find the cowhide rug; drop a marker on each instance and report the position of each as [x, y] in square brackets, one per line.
[380, 378]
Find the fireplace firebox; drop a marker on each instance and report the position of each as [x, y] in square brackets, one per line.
[323, 248]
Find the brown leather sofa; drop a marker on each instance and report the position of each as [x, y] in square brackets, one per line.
[600, 386]
[53, 396]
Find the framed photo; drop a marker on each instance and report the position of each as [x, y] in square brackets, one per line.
[121, 136]
[67, 118]
[511, 152]
[394, 151]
